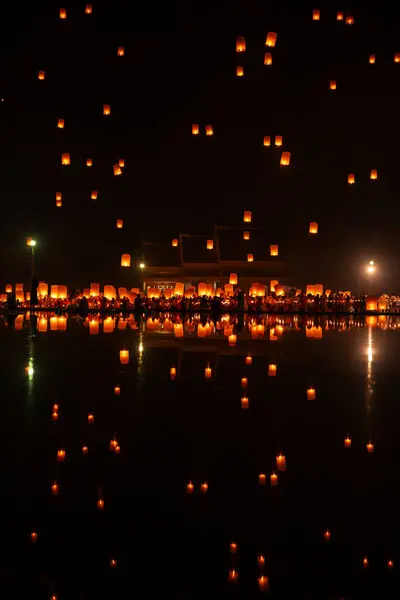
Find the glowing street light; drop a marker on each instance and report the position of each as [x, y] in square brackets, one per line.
[142, 266]
[371, 268]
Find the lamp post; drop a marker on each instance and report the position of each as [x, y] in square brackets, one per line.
[32, 243]
[371, 270]
[142, 267]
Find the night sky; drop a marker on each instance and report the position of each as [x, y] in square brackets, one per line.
[179, 68]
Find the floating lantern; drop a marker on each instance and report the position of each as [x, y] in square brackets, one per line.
[239, 71]
[126, 260]
[54, 415]
[90, 419]
[281, 462]
[54, 488]
[233, 575]
[285, 159]
[240, 44]
[232, 339]
[233, 279]
[374, 174]
[371, 303]
[94, 195]
[117, 450]
[315, 14]
[9, 288]
[327, 535]
[55, 407]
[273, 479]
[246, 235]
[262, 478]
[271, 39]
[247, 216]
[117, 170]
[121, 163]
[347, 442]
[100, 504]
[371, 59]
[210, 244]
[332, 84]
[85, 450]
[34, 537]
[263, 583]
[120, 223]
[249, 359]
[175, 243]
[268, 59]
[278, 141]
[89, 162]
[88, 9]
[390, 564]
[351, 179]
[204, 487]
[272, 370]
[261, 561]
[63, 13]
[339, 16]
[106, 109]
[124, 357]
[190, 487]
[121, 51]
[313, 228]
[41, 75]
[349, 20]
[60, 124]
[61, 455]
[209, 130]
[365, 562]
[208, 372]
[243, 382]
[274, 250]
[233, 547]
[267, 140]
[117, 390]
[250, 258]
[65, 159]
[370, 447]
[311, 395]
[195, 129]
[172, 372]
[113, 563]
[245, 402]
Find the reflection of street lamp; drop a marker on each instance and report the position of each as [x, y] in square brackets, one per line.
[142, 267]
[32, 243]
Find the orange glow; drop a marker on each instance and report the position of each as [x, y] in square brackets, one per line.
[272, 370]
[113, 444]
[263, 583]
[89, 162]
[327, 535]
[273, 479]
[233, 575]
[61, 455]
[239, 71]
[54, 488]
[243, 382]
[249, 359]
[209, 130]
[65, 159]
[117, 390]
[100, 504]
[372, 59]
[124, 357]
[175, 243]
[208, 372]
[55, 407]
[245, 402]
[88, 9]
[113, 563]
[117, 170]
[349, 20]
[233, 547]
[315, 14]
[126, 260]
[204, 487]
[262, 478]
[106, 109]
[268, 59]
[63, 13]
[232, 339]
[41, 75]
[117, 449]
[267, 140]
[246, 235]
[347, 442]
[54, 415]
[365, 562]
[120, 223]
[339, 16]
[60, 124]
[9, 288]
[247, 216]
[281, 462]
[285, 159]
[351, 179]
[332, 84]
[233, 279]
[374, 174]
[278, 141]
[313, 227]
[311, 395]
[195, 129]
[172, 372]
[34, 537]
[210, 244]
[390, 564]
[240, 44]
[261, 561]
[274, 250]
[370, 447]
[121, 51]
[85, 450]
[90, 418]
[190, 487]
[250, 258]
[271, 39]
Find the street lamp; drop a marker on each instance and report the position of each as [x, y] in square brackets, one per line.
[32, 243]
[371, 268]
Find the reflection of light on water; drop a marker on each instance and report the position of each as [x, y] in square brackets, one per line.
[140, 348]
[369, 369]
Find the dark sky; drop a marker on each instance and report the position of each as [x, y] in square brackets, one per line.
[179, 68]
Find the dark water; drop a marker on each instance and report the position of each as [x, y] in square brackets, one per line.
[168, 543]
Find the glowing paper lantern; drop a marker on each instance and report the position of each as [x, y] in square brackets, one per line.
[89, 162]
[311, 395]
[209, 130]
[351, 179]
[278, 140]
[246, 235]
[272, 370]
[349, 20]
[88, 9]
[175, 243]
[267, 140]
[210, 244]
[340, 16]
[172, 372]
[261, 561]
[117, 170]
[332, 84]
[124, 357]
[94, 195]
[249, 359]
[61, 455]
[262, 478]
[281, 462]
[273, 479]
[274, 250]
[41, 75]
[60, 123]
[371, 303]
[120, 223]
[106, 109]
[63, 13]
[263, 583]
[232, 339]
[121, 51]
[247, 216]
[347, 442]
[240, 44]
[109, 292]
[233, 547]
[126, 260]
[268, 59]
[34, 537]
[285, 159]
[233, 279]
[271, 39]
[195, 129]
[250, 258]
[9, 288]
[370, 447]
[327, 535]
[244, 403]
[95, 289]
[315, 14]
[208, 372]
[365, 562]
[65, 159]
[239, 71]
[190, 487]
[121, 163]
[371, 59]
[100, 504]
[374, 174]
[313, 228]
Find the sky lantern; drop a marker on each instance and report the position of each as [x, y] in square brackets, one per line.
[100, 504]
[117, 170]
[60, 124]
[313, 227]
[365, 562]
[195, 129]
[240, 44]
[268, 59]
[274, 250]
[209, 130]
[232, 339]
[244, 403]
[249, 359]
[233, 576]
[233, 547]
[349, 20]
[332, 84]
[243, 382]
[370, 447]
[175, 243]
[316, 14]
[390, 564]
[278, 141]
[34, 537]
[121, 51]
[54, 488]
[94, 195]
[311, 394]
[247, 216]
[263, 583]
[126, 260]
[85, 450]
[246, 235]
[88, 9]
[397, 58]
[261, 561]
[210, 244]
[250, 257]
[63, 13]
[340, 16]
[89, 162]
[208, 372]
[9, 288]
[271, 39]
[106, 109]
[327, 535]
[262, 479]
[190, 487]
[374, 174]
[285, 159]
[58, 202]
[117, 390]
[351, 179]
[272, 370]
[347, 442]
[120, 223]
[371, 59]
[281, 462]
[61, 455]
[233, 279]
[239, 71]
[65, 159]
[172, 373]
[90, 418]
[267, 140]
[273, 479]
[204, 487]
[121, 163]
[41, 75]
